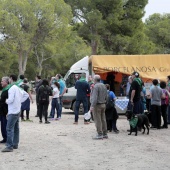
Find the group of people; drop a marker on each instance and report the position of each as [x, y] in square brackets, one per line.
[16, 98]
[155, 104]
[94, 96]
[46, 92]
[12, 98]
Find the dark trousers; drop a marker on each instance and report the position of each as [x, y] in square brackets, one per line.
[85, 106]
[136, 107]
[164, 115]
[3, 126]
[37, 105]
[111, 125]
[156, 116]
[43, 108]
[27, 114]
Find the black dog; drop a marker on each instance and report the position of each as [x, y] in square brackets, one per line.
[141, 123]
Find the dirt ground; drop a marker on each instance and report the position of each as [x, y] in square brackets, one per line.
[62, 145]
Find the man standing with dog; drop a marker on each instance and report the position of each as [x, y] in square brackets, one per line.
[134, 93]
[98, 106]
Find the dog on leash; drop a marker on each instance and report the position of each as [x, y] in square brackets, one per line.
[137, 121]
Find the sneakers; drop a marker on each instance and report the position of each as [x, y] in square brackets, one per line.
[105, 136]
[7, 150]
[86, 123]
[47, 122]
[58, 118]
[28, 120]
[116, 131]
[15, 147]
[3, 141]
[40, 121]
[97, 137]
[75, 123]
[22, 120]
[36, 116]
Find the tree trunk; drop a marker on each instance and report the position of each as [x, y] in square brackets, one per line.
[94, 47]
[40, 70]
[20, 63]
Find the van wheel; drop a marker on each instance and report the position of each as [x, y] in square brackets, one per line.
[81, 109]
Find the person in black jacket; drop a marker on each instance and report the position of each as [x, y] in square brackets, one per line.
[38, 83]
[43, 94]
[4, 108]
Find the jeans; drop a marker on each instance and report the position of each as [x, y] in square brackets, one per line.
[85, 106]
[3, 126]
[168, 114]
[55, 105]
[60, 106]
[12, 130]
[114, 124]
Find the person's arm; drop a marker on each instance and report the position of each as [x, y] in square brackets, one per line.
[94, 97]
[132, 95]
[30, 96]
[11, 96]
[25, 96]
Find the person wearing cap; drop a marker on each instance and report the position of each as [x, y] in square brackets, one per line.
[134, 93]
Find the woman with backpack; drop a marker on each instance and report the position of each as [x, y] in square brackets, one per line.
[110, 112]
[44, 92]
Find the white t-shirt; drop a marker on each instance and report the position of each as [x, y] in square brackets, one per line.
[15, 97]
[56, 92]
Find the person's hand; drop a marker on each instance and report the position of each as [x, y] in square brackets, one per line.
[131, 101]
[32, 101]
[91, 109]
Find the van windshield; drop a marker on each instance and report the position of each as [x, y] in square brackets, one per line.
[71, 79]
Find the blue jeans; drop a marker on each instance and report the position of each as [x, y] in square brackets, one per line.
[85, 106]
[3, 126]
[168, 110]
[12, 130]
[55, 105]
[60, 106]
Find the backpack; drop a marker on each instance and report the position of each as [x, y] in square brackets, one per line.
[109, 102]
[44, 94]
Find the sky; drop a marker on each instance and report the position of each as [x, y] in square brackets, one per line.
[157, 6]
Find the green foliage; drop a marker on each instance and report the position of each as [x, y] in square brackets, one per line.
[25, 24]
[6, 61]
[112, 26]
[157, 29]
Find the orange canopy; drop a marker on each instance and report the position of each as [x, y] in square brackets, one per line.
[148, 66]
